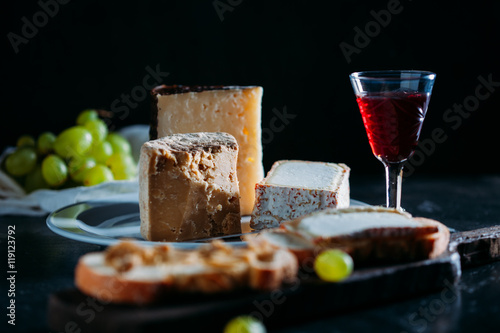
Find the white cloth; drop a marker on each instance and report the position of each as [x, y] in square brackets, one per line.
[41, 202]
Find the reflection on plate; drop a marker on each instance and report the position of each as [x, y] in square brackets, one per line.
[105, 223]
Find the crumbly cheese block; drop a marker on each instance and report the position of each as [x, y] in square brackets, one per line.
[232, 109]
[293, 188]
[188, 187]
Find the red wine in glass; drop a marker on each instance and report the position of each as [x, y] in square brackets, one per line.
[393, 105]
[393, 121]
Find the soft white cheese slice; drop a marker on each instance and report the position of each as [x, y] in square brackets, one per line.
[331, 223]
[301, 174]
[294, 188]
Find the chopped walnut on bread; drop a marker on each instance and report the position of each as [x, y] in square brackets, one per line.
[132, 273]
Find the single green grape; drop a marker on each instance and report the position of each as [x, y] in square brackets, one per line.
[244, 324]
[122, 165]
[85, 116]
[34, 180]
[21, 161]
[26, 141]
[119, 143]
[73, 142]
[98, 174]
[54, 170]
[333, 265]
[98, 129]
[78, 166]
[101, 151]
[45, 143]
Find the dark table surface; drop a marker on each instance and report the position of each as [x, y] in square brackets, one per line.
[45, 263]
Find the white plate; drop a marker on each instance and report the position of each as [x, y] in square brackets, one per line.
[105, 223]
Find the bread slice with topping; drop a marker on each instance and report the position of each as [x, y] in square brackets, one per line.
[131, 273]
[368, 234]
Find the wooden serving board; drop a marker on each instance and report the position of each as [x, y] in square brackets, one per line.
[308, 298]
[477, 247]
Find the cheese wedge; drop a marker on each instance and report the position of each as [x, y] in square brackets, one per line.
[231, 109]
[294, 188]
[188, 187]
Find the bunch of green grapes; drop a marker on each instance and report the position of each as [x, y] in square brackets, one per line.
[84, 154]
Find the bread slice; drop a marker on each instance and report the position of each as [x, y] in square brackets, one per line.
[135, 274]
[368, 234]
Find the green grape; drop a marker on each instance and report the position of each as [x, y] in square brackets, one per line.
[78, 166]
[98, 129]
[101, 151]
[26, 140]
[119, 143]
[85, 116]
[122, 165]
[34, 180]
[54, 170]
[73, 142]
[333, 265]
[244, 324]
[21, 161]
[45, 143]
[98, 174]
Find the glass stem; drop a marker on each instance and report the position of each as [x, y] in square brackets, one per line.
[393, 179]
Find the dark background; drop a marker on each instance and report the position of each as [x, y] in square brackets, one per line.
[91, 52]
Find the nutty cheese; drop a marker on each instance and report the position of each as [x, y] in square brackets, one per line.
[231, 109]
[189, 187]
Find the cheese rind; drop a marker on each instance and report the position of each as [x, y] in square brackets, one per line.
[295, 188]
[188, 187]
[232, 109]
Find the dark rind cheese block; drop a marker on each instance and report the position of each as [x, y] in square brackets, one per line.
[231, 109]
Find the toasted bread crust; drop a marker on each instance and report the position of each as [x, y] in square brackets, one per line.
[270, 274]
[441, 239]
[114, 289]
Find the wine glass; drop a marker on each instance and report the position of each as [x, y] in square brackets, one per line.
[393, 104]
